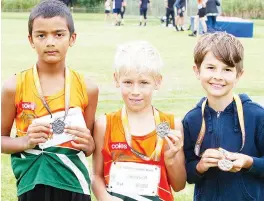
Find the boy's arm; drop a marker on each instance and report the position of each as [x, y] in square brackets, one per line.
[36, 133]
[176, 167]
[166, 3]
[257, 167]
[89, 112]
[98, 184]
[8, 114]
[251, 165]
[191, 160]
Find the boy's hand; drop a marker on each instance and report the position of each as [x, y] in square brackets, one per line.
[239, 161]
[82, 139]
[174, 144]
[37, 133]
[209, 159]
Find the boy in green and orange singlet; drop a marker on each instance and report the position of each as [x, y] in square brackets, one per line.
[138, 153]
[53, 107]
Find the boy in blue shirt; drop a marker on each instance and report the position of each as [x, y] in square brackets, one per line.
[224, 133]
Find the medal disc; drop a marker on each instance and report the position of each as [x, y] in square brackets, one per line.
[163, 129]
[58, 126]
[225, 165]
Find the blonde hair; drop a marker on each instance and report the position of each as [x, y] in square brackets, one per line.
[138, 55]
[225, 47]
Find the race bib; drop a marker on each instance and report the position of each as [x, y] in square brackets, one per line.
[74, 118]
[134, 178]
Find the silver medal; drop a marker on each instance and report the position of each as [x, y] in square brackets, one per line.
[58, 126]
[163, 129]
[225, 165]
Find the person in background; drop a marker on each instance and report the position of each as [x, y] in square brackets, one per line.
[123, 10]
[107, 10]
[211, 13]
[117, 4]
[180, 6]
[169, 4]
[143, 9]
[200, 17]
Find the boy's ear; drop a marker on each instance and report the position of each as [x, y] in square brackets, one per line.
[116, 80]
[158, 81]
[239, 75]
[73, 39]
[196, 71]
[31, 41]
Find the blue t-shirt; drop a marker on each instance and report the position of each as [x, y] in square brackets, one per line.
[144, 4]
[117, 4]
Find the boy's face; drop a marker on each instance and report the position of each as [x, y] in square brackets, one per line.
[217, 78]
[137, 89]
[51, 39]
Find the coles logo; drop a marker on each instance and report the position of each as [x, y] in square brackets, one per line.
[118, 146]
[27, 106]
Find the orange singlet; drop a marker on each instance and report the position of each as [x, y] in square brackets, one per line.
[116, 149]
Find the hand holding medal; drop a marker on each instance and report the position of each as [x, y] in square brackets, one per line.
[209, 159]
[82, 138]
[225, 164]
[239, 161]
[173, 138]
[37, 133]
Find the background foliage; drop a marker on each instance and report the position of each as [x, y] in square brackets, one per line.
[239, 8]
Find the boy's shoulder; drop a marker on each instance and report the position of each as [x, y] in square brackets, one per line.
[9, 86]
[113, 114]
[195, 112]
[251, 107]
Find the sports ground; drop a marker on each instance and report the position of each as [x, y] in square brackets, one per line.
[93, 56]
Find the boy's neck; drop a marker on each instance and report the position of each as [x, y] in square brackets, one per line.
[141, 122]
[219, 104]
[51, 69]
[147, 111]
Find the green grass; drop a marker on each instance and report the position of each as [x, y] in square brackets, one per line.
[93, 55]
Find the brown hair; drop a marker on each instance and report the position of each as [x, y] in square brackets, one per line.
[49, 9]
[225, 47]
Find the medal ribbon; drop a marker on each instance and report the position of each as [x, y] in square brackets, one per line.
[66, 95]
[241, 122]
[159, 142]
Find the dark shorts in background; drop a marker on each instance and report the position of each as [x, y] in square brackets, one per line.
[143, 11]
[201, 12]
[107, 11]
[117, 10]
[48, 193]
[180, 12]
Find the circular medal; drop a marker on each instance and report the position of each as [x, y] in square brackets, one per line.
[225, 165]
[163, 129]
[58, 126]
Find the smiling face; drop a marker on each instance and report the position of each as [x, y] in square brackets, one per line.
[217, 78]
[51, 39]
[137, 89]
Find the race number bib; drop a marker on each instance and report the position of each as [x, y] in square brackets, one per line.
[74, 118]
[134, 178]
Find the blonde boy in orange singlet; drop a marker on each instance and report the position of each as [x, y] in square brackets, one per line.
[138, 153]
[53, 107]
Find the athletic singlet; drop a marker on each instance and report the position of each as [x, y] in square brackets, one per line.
[114, 150]
[58, 166]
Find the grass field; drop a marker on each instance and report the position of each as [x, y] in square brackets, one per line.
[93, 54]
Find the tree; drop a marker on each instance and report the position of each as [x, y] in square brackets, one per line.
[88, 3]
